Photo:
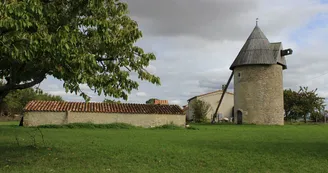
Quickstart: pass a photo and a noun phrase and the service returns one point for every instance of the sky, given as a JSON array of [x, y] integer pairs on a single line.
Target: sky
[[196, 41]]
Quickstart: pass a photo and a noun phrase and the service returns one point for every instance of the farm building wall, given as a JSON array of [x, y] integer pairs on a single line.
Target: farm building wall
[[190, 113], [213, 99], [258, 94], [144, 120], [40, 118], [226, 105]]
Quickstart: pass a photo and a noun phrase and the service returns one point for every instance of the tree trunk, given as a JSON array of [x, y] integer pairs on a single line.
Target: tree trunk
[[3, 95], [304, 118]]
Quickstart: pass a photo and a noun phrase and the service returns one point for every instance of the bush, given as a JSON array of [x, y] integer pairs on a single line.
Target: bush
[[91, 126], [317, 117], [168, 126], [192, 128], [200, 110]]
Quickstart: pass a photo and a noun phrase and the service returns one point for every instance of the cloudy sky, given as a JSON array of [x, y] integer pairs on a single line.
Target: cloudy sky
[[196, 41]]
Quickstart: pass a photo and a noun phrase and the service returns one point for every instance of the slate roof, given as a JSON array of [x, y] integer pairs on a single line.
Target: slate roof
[[276, 48], [126, 108], [258, 50]]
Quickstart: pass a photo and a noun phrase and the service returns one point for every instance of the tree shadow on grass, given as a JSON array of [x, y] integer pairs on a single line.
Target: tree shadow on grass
[[294, 149], [19, 155]]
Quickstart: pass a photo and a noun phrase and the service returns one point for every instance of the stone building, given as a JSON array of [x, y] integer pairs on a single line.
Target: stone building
[[161, 102], [258, 81], [157, 101], [58, 112], [212, 98]]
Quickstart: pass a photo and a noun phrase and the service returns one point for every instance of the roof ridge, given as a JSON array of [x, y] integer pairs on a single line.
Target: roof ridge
[[209, 93], [62, 106]]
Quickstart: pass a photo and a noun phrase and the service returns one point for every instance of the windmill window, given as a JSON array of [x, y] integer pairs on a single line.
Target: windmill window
[[238, 74]]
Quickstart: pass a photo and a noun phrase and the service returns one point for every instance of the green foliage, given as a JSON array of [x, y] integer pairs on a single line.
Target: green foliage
[[91, 126], [170, 126], [110, 126], [317, 116], [200, 109], [151, 101], [111, 101], [292, 104], [78, 42], [302, 103], [16, 100]]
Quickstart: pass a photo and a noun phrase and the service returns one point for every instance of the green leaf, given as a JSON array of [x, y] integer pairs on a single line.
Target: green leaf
[[66, 46], [69, 47], [66, 28]]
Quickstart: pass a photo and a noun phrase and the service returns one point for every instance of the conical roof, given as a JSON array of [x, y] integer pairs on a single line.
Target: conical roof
[[256, 50]]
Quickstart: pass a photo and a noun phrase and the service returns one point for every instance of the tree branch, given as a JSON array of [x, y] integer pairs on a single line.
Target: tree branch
[[127, 68], [23, 86], [105, 59]]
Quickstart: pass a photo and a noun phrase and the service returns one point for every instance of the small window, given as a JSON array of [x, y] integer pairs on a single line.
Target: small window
[[238, 74]]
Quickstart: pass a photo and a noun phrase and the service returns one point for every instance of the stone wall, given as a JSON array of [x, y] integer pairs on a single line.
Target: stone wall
[[40, 118], [258, 94], [144, 120]]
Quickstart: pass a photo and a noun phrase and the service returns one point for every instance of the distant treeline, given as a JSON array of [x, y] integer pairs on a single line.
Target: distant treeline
[[15, 101]]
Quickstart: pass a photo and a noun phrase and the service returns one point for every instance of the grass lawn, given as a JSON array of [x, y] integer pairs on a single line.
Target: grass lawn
[[212, 148]]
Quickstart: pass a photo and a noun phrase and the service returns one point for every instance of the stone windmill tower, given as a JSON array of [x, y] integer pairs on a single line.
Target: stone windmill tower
[[258, 81]]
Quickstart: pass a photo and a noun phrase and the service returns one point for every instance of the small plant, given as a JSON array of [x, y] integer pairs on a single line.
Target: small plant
[[169, 126], [192, 128], [33, 134], [90, 126]]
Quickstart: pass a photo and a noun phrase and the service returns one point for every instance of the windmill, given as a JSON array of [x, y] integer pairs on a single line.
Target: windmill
[[258, 81]]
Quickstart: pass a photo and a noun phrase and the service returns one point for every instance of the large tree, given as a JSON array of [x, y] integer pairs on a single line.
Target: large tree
[[310, 102], [291, 104], [76, 41], [302, 103]]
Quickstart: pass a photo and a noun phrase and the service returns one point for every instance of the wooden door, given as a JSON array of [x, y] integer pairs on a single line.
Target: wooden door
[[239, 117]]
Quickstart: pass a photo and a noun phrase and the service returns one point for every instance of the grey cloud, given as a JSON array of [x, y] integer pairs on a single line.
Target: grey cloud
[[196, 41], [206, 18], [214, 84], [218, 19]]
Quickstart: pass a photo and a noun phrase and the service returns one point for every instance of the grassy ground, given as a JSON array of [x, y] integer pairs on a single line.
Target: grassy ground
[[12, 123], [216, 148]]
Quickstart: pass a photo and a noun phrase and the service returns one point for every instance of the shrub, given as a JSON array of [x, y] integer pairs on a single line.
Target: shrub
[[90, 126], [200, 110]]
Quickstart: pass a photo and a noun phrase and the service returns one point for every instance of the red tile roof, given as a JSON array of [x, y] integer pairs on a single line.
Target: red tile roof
[[128, 108]]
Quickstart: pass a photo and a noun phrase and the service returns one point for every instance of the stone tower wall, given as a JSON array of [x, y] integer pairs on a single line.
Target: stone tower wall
[[258, 93]]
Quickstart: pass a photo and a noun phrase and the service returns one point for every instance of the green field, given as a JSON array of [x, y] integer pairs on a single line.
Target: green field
[[212, 148]]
